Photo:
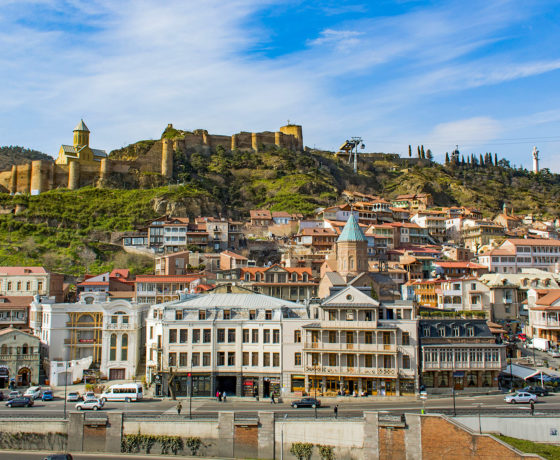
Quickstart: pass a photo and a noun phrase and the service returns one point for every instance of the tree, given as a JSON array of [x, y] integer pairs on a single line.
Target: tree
[[419, 154], [422, 151], [446, 158], [490, 159], [462, 159], [496, 159], [481, 160], [409, 151], [430, 155]]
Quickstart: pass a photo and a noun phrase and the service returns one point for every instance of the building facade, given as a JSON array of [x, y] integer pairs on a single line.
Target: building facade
[[20, 358]]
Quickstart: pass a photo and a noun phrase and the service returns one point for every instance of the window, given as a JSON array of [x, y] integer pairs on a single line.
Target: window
[[172, 335], [332, 359], [196, 359], [276, 336], [266, 336], [245, 358], [332, 337], [28, 286], [332, 315], [221, 358], [253, 314], [231, 335], [455, 331], [178, 314], [266, 359], [124, 347], [184, 335], [114, 319], [151, 332], [207, 336], [206, 358], [405, 338], [221, 336], [275, 359], [297, 336], [231, 358], [441, 331], [255, 336], [112, 350], [368, 338], [227, 314], [245, 335], [39, 286], [172, 359], [470, 331], [183, 359], [406, 362], [196, 336], [254, 358], [268, 314], [297, 359], [9, 285], [19, 285], [201, 314]]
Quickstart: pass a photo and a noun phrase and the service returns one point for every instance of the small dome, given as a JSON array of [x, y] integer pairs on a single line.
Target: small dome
[[352, 231], [81, 126]]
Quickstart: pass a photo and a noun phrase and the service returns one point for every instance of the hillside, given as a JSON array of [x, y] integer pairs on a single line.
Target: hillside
[[70, 231], [16, 155]]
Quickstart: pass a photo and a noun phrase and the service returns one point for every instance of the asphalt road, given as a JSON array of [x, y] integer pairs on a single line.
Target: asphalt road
[[354, 407]]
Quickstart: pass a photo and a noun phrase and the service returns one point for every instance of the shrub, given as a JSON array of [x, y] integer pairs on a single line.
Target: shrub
[[302, 450], [326, 452]]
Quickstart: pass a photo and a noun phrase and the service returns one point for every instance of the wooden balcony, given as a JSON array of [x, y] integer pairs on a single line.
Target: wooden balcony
[[357, 371], [357, 347]]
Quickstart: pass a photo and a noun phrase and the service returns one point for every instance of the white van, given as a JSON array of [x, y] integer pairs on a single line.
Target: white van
[[33, 392], [123, 392]]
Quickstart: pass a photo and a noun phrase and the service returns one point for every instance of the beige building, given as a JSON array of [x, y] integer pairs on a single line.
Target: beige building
[[354, 344], [20, 358], [30, 281]]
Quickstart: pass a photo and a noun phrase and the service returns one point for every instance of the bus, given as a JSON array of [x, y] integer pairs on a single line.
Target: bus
[[123, 392]]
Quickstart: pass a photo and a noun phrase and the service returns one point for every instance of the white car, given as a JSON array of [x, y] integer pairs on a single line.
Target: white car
[[90, 404], [521, 397], [33, 392], [554, 353], [89, 396]]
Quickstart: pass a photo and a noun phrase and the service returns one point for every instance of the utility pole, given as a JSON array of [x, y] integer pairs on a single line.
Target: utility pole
[[65, 386]]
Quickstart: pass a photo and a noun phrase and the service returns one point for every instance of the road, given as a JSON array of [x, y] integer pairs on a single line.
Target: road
[[209, 407]]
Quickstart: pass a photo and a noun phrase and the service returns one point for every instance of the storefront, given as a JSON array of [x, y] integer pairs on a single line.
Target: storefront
[[4, 376], [250, 387], [271, 386], [297, 384]]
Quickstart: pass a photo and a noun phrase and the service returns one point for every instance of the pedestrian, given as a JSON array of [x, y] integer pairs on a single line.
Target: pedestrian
[[179, 407], [272, 399], [225, 396], [220, 396], [336, 411], [532, 407], [217, 395]]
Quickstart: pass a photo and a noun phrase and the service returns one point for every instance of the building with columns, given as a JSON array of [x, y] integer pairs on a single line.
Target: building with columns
[[355, 344]]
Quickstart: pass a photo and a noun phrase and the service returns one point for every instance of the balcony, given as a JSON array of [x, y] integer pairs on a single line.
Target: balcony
[[546, 323], [20, 357], [119, 326], [475, 365], [358, 347], [351, 325], [82, 324]]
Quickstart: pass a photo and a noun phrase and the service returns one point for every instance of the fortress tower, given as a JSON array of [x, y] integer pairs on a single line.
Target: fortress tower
[[535, 160], [296, 131]]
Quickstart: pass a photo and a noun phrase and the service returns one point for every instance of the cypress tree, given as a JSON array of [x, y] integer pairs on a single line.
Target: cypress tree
[[446, 158], [429, 155], [409, 151], [496, 159], [422, 152], [481, 160], [418, 147], [462, 159], [490, 159], [468, 160]]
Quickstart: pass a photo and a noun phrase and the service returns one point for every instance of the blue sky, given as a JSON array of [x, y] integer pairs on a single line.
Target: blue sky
[[483, 75]]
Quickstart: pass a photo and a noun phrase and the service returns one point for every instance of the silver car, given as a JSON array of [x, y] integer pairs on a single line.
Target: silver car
[[521, 397], [90, 404]]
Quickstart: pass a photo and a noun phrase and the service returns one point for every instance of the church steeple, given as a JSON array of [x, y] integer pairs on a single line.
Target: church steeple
[[81, 135], [351, 249]]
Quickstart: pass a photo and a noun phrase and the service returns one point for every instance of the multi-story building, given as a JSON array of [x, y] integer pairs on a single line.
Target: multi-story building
[[114, 281], [544, 315], [227, 342], [433, 221], [294, 284], [110, 332], [230, 260], [514, 254], [354, 344], [14, 312], [30, 281], [320, 239], [425, 292], [223, 234], [153, 289], [20, 358], [479, 233], [414, 201], [459, 354], [456, 269]]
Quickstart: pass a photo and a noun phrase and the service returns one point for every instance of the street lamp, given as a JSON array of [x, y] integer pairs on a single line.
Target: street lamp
[[315, 384], [65, 386]]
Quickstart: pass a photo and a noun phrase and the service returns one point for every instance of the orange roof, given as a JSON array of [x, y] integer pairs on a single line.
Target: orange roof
[[17, 271], [547, 300], [233, 255], [166, 278], [533, 242], [459, 264], [15, 301]]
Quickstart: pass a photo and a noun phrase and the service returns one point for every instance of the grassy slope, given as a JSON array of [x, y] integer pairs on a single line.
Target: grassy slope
[[547, 451], [69, 231]]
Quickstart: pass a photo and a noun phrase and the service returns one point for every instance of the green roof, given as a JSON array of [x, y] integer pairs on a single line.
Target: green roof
[[352, 231], [81, 126]]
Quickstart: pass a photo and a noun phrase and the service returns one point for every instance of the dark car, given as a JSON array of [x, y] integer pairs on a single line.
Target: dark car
[[539, 391], [22, 401], [306, 402], [58, 457]]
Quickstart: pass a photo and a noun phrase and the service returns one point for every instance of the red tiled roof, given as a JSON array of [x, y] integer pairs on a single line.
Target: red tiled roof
[[233, 255], [166, 278], [547, 300], [17, 271], [15, 301], [459, 264], [533, 242], [94, 283]]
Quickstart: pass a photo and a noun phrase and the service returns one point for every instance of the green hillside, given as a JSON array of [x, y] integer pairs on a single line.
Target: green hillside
[[70, 231], [16, 155]]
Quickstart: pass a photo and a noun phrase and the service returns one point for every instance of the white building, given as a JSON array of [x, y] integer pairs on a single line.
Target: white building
[[228, 342], [110, 332]]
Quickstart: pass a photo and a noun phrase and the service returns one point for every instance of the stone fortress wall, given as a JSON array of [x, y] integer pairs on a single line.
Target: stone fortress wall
[[43, 175]]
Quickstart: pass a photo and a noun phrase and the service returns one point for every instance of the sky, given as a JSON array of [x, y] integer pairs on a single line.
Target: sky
[[481, 75]]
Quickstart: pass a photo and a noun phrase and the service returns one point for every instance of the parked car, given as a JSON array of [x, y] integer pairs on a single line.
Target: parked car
[[89, 404], [539, 391], [59, 457], [33, 392], [306, 402], [73, 396], [89, 395], [521, 397], [522, 337], [14, 394], [22, 401], [47, 395], [554, 353]]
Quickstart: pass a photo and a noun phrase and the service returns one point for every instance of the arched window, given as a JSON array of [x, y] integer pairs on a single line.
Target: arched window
[[113, 348], [86, 319], [294, 277], [258, 277], [351, 263], [4, 350], [124, 347], [305, 277], [24, 349]]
